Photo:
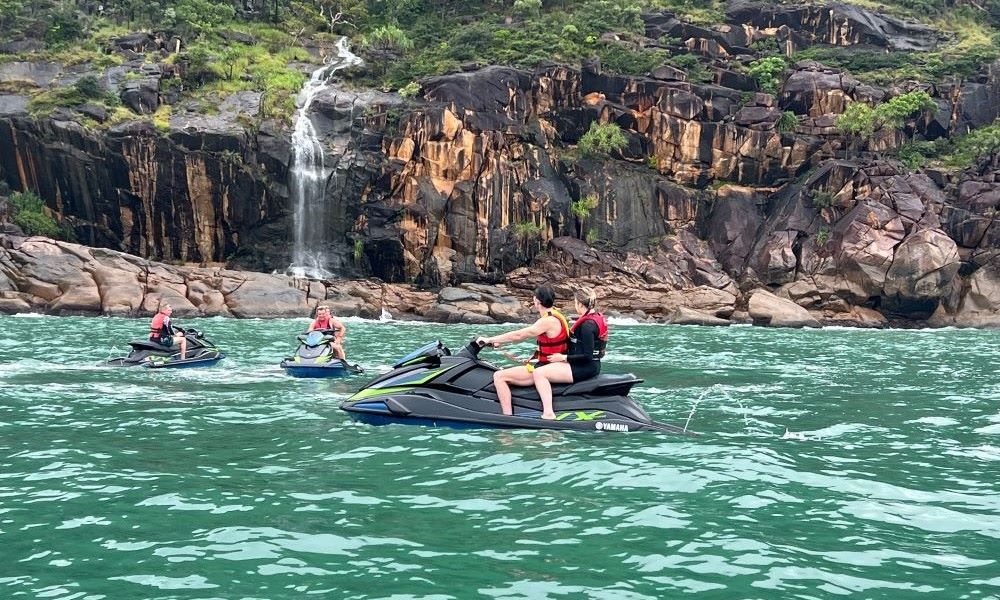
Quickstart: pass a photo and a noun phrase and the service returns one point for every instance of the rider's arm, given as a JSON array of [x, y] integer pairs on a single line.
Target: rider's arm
[[341, 331], [536, 329], [312, 326]]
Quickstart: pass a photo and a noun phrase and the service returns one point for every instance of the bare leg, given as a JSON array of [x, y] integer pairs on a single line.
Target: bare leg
[[184, 344], [338, 350], [503, 379], [544, 377]]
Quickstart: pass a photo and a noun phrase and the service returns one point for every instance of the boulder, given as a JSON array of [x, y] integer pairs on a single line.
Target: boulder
[[261, 295], [120, 289], [683, 315], [81, 297], [815, 90], [14, 303], [449, 313], [769, 310], [209, 301], [923, 266], [141, 95]]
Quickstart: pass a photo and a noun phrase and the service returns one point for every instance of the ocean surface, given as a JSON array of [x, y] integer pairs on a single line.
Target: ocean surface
[[830, 463]]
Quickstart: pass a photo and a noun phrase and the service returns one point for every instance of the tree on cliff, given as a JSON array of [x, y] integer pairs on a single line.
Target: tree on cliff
[[860, 121], [386, 43], [580, 209]]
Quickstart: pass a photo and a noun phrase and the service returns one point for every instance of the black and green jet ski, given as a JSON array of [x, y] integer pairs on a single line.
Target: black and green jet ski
[[431, 386], [201, 352]]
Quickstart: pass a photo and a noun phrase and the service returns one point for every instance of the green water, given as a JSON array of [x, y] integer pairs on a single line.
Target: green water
[[831, 463]]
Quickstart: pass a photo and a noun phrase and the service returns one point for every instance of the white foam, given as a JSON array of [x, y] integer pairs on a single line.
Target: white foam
[[936, 421]]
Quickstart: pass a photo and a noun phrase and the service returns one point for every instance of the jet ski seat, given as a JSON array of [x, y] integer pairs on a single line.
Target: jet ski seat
[[151, 345], [603, 382]]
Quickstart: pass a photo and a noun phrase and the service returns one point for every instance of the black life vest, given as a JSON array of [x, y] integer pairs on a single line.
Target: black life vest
[[601, 343]]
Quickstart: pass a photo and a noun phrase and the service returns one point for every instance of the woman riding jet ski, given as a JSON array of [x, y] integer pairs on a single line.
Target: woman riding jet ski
[[433, 387]]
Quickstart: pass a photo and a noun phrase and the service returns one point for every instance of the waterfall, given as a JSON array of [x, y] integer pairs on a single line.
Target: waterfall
[[308, 175]]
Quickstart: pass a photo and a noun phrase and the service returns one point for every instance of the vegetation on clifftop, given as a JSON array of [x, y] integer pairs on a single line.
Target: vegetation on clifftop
[[252, 44]]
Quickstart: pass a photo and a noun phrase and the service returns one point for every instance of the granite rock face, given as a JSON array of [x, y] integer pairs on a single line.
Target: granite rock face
[[476, 182]]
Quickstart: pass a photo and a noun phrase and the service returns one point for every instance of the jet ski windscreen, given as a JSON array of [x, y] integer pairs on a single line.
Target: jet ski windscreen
[[432, 350], [313, 338]]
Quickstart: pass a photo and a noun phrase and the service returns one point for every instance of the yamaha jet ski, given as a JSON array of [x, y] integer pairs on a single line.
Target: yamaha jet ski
[[315, 357], [430, 386], [146, 353]]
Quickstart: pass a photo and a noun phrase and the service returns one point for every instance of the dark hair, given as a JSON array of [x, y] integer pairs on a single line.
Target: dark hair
[[546, 296]]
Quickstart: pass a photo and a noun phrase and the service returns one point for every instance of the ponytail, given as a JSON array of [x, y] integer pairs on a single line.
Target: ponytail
[[587, 297]]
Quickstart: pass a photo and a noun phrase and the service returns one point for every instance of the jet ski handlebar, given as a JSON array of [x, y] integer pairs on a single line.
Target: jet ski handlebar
[[473, 348]]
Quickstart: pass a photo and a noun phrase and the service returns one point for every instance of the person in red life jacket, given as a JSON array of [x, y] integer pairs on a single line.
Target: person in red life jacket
[[588, 340], [161, 332], [326, 322], [552, 333]]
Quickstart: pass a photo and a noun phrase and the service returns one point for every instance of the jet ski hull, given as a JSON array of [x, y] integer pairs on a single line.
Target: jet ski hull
[[331, 369], [187, 363], [378, 412]]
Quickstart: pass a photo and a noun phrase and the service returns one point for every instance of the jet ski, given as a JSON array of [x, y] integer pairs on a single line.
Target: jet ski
[[201, 352], [315, 357], [431, 386]]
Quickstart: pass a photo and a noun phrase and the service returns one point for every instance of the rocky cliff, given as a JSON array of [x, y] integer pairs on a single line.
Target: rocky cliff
[[474, 182]]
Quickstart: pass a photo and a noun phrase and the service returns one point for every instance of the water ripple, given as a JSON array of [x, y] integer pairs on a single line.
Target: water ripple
[[826, 466]]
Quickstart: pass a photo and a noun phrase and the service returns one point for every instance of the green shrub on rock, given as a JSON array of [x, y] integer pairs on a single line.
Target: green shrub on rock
[[767, 72], [861, 121], [31, 217], [602, 139]]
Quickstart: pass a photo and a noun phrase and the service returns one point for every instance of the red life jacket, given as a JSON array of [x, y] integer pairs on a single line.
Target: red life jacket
[[320, 324], [558, 344], [601, 343], [160, 327]]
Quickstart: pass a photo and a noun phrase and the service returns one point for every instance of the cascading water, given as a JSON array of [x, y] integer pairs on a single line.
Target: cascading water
[[308, 174]]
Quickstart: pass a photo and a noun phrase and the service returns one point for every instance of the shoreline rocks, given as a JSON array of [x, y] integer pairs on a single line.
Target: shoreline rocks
[[60, 278]]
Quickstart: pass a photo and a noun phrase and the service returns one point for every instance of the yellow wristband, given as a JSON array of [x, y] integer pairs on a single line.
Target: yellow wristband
[[530, 367]]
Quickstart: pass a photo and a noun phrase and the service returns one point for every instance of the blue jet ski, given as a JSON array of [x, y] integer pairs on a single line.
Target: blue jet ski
[[201, 352], [431, 386], [315, 357]]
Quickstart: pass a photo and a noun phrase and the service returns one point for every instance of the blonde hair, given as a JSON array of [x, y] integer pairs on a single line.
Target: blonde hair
[[586, 296]]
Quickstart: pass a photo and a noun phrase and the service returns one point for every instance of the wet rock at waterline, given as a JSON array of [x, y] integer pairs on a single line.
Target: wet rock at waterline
[[42, 275]]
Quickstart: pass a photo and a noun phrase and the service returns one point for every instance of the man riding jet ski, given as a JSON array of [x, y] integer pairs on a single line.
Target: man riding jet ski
[[316, 356], [433, 387], [148, 353], [169, 346]]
